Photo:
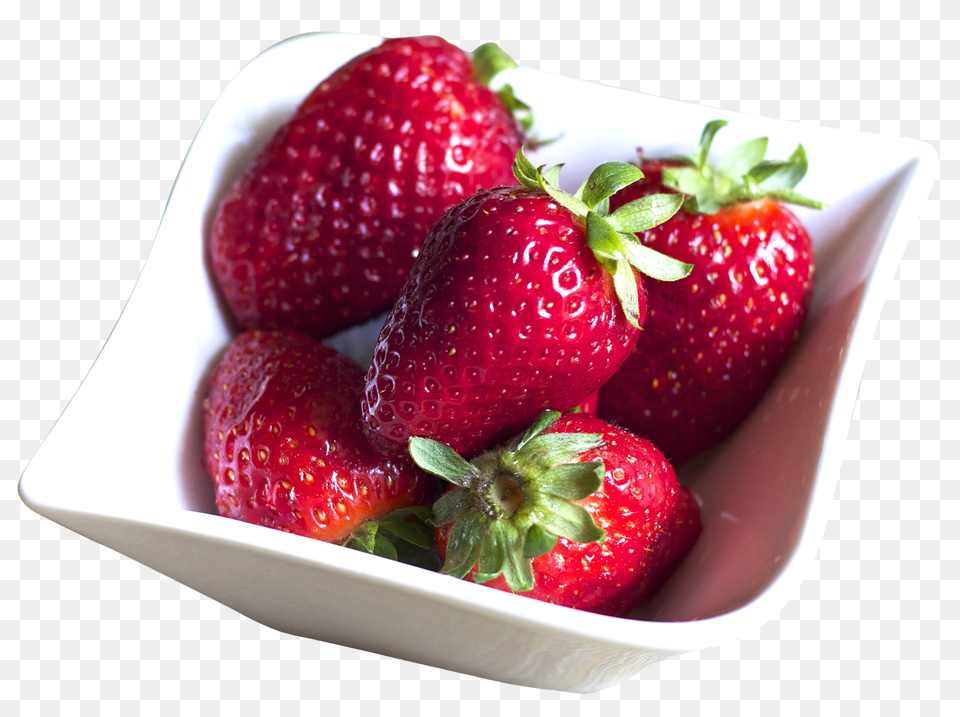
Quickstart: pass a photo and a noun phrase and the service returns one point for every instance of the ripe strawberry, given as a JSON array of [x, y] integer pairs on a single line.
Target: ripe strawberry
[[712, 344], [283, 446], [320, 232], [574, 512], [589, 404], [523, 299]]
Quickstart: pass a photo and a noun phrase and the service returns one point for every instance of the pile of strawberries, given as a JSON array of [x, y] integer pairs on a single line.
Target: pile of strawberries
[[400, 185]]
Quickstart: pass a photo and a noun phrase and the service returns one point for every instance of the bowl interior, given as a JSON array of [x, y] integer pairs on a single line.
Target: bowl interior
[[136, 421]]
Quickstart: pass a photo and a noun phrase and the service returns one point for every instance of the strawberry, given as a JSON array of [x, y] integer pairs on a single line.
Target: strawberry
[[523, 299], [320, 232], [712, 344], [589, 404], [283, 446], [574, 512]]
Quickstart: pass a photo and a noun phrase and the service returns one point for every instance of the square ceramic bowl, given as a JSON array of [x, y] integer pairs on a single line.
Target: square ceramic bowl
[[122, 466]]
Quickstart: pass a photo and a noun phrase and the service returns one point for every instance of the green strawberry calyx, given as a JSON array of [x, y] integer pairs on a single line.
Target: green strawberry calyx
[[510, 505], [613, 235], [402, 535], [489, 60], [740, 175]]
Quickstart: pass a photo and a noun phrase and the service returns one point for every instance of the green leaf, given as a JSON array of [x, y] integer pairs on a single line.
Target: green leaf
[[363, 537], [493, 550], [489, 60], [386, 537], [645, 213], [688, 180], [520, 110], [384, 548], [548, 450], [603, 239], [414, 533], [532, 178], [463, 544], [573, 481], [613, 175], [441, 460], [451, 505], [742, 158], [742, 175], [706, 140], [625, 284], [788, 196], [799, 160], [525, 172], [543, 422], [781, 174], [749, 189], [422, 512], [654, 264], [569, 520], [552, 176], [774, 173], [416, 556], [568, 201], [517, 571], [606, 180], [703, 203], [538, 542]]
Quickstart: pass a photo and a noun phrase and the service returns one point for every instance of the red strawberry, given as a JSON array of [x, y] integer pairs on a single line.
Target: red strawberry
[[712, 343], [513, 307], [589, 404], [574, 512], [283, 445], [321, 231]]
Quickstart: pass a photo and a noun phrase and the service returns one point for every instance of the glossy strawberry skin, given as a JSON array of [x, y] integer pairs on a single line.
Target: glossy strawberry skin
[[506, 313], [320, 232], [589, 404], [283, 445], [651, 523], [713, 342]]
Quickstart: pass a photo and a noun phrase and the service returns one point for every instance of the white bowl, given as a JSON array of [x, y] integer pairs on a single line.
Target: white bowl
[[123, 464]]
